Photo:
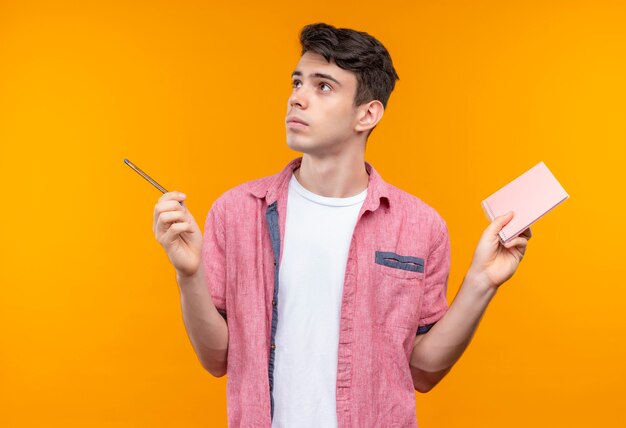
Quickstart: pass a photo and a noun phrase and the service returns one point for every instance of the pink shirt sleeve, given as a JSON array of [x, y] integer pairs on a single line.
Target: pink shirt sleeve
[[214, 256], [434, 303]]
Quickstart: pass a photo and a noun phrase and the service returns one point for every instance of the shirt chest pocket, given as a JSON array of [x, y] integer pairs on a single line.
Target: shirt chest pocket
[[397, 290]]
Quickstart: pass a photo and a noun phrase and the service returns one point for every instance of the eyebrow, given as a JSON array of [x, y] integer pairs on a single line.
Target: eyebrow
[[318, 75]]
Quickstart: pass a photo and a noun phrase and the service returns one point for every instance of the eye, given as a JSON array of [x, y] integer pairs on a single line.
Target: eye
[[296, 83], [325, 87]]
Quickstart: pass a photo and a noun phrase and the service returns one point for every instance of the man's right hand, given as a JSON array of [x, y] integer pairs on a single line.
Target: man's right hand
[[177, 231]]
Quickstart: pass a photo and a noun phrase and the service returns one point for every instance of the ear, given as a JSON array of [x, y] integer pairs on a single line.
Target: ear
[[368, 115]]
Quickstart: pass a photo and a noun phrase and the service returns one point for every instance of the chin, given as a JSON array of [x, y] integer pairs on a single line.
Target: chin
[[308, 147], [298, 145]]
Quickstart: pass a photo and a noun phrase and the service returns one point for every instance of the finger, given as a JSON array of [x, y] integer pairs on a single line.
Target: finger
[[177, 196], [172, 217], [166, 206], [527, 234], [520, 242], [174, 232], [169, 218], [173, 196]]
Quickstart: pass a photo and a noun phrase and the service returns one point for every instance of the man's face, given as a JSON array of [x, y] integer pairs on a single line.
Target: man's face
[[321, 115]]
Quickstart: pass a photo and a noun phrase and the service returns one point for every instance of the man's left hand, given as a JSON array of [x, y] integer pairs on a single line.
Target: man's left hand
[[494, 262]]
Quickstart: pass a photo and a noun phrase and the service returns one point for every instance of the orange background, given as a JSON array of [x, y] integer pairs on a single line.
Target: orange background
[[195, 93]]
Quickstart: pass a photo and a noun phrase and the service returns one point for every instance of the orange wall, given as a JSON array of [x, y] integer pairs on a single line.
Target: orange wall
[[195, 93]]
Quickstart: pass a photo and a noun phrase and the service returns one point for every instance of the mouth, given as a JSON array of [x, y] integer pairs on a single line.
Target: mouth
[[296, 123]]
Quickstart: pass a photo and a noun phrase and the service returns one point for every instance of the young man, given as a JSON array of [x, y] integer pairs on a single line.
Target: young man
[[321, 290]]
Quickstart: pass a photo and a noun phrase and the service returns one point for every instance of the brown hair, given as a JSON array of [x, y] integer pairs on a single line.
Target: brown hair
[[357, 52]]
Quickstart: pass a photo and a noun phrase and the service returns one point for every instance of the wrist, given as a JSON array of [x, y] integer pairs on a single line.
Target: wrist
[[187, 278], [479, 283]]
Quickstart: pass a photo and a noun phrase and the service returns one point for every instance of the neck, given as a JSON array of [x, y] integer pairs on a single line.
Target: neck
[[333, 176]]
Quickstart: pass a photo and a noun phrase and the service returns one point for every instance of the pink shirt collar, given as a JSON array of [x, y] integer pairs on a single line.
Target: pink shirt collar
[[270, 187]]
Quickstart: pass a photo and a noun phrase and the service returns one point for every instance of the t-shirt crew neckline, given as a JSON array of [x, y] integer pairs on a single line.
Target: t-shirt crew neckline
[[325, 200]]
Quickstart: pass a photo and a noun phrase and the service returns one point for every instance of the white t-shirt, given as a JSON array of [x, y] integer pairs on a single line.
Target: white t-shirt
[[318, 232]]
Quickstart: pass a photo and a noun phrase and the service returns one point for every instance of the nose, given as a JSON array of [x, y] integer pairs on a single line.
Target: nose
[[298, 98]]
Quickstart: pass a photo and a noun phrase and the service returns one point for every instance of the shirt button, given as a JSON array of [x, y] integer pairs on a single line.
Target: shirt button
[[273, 346], [273, 302]]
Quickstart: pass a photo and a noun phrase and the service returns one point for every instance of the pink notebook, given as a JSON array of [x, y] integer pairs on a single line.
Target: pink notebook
[[529, 196]]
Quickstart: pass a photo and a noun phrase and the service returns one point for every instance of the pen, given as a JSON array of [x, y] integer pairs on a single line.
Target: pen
[[146, 176]]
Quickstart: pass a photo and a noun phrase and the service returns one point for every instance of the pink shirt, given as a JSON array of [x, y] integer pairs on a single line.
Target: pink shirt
[[394, 288]]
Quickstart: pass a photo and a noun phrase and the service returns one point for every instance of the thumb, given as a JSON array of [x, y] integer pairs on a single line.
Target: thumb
[[499, 222]]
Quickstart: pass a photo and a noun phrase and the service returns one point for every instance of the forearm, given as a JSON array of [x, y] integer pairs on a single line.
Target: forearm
[[493, 263], [437, 351], [207, 330]]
